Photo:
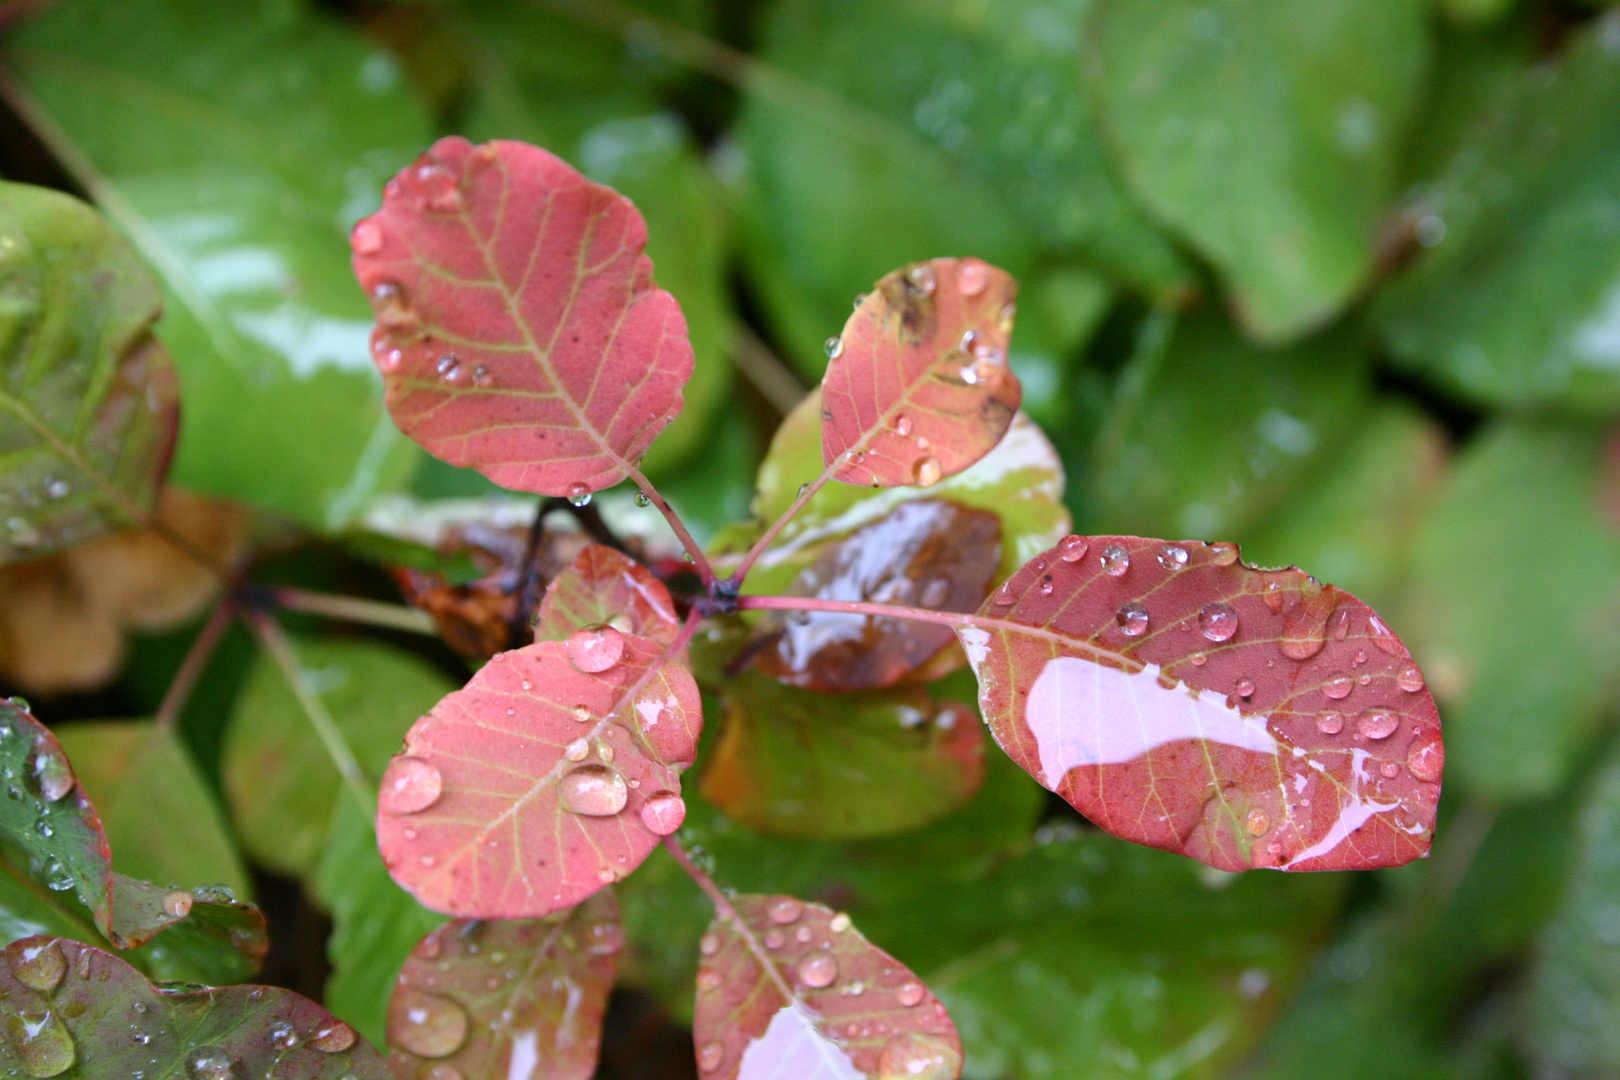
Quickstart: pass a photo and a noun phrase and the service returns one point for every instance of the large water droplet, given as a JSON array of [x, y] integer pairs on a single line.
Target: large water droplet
[[282, 1035], [1377, 723], [927, 472], [333, 1038], [834, 347], [972, 277], [578, 750], [1330, 723], [1257, 822], [409, 785], [595, 648], [663, 813], [709, 944], [1072, 549], [1115, 560], [920, 276], [52, 776], [1218, 622], [593, 791], [1410, 679], [911, 994], [449, 368], [41, 1042], [1338, 686], [1244, 688], [177, 904], [1426, 757], [209, 1063], [783, 910], [1384, 637], [710, 1055], [915, 1056], [818, 969], [1173, 557], [1132, 619], [367, 238], [426, 1025], [38, 965]]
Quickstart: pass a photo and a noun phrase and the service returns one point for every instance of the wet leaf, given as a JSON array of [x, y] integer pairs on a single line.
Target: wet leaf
[[279, 781], [520, 999], [67, 1006], [796, 991], [236, 174], [795, 763], [200, 935], [1262, 135], [89, 405], [555, 771], [917, 387], [555, 383], [603, 586], [1516, 304], [1181, 699]]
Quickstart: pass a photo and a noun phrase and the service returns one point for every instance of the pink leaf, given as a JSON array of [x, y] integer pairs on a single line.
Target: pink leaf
[[801, 995], [918, 387], [519, 998], [605, 586], [518, 327], [537, 783], [1181, 699]]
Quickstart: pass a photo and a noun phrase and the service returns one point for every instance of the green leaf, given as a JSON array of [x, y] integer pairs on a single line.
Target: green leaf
[[1207, 434], [882, 134], [237, 173], [376, 923], [161, 820], [794, 762], [1520, 302], [280, 784], [88, 402], [1266, 134], [1513, 608], [1021, 480]]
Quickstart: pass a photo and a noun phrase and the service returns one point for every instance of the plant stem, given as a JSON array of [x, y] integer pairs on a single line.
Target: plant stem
[[723, 908], [806, 493], [274, 641], [192, 667], [699, 561], [765, 371], [353, 609], [857, 607]]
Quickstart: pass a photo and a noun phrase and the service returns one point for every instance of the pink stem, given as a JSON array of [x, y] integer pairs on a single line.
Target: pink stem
[[723, 908], [699, 561], [855, 607], [806, 493], [192, 667]]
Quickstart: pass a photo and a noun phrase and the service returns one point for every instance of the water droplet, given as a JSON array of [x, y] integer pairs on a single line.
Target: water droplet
[[663, 813], [920, 276], [605, 939], [1046, 585], [708, 980], [208, 1063], [57, 489], [41, 1042], [1257, 822], [1072, 549], [927, 472], [429, 947], [1330, 723], [1173, 557], [38, 965], [449, 367], [710, 1056], [1377, 723], [1199, 659], [409, 785], [438, 1072], [915, 1056], [482, 377], [1218, 622], [783, 910], [709, 944], [1390, 770], [838, 923], [595, 648], [1115, 560], [367, 238], [593, 791], [1338, 686], [577, 750], [1410, 679], [972, 277], [902, 425], [1384, 637], [1245, 688], [1426, 757], [1132, 619], [426, 1025], [390, 359], [581, 714], [911, 993], [1339, 622], [604, 751], [818, 969], [860, 298], [834, 346], [643, 499], [177, 905], [1304, 630], [579, 495], [281, 1035], [52, 776]]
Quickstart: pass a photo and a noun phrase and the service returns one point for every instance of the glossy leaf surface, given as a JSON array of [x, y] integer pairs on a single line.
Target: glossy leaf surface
[[538, 783], [793, 762], [548, 375], [518, 999], [89, 405], [236, 175], [918, 387], [1181, 699], [798, 992], [73, 1011], [603, 586]]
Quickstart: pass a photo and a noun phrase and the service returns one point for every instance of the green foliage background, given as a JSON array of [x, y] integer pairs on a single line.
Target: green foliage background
[[1338, 280]]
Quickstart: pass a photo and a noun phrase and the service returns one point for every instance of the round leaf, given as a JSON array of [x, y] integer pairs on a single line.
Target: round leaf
[[606, 586]]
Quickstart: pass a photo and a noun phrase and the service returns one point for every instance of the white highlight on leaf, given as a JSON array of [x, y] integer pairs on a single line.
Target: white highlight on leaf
[[792, 1049], [976, 643], [1354, 812]]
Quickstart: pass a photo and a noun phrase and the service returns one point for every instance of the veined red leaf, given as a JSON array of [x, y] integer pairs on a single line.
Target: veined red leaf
[[67, 1006], [603, 586], [518, 999], [918, 387], [799, 994], [519, 330], [553, 772], [1181, 699]]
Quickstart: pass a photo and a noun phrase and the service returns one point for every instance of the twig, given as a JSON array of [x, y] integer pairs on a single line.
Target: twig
[[192, 667], [354, 609], [723, 908], [806, 493], [765, 371], [700, 561]]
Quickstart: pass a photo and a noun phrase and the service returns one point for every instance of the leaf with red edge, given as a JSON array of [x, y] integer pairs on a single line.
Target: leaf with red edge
[[1184, 700], [518, 999], [519, 330], [603, 586], [928, 553], [918, 387], [797, 993], [539, 782]]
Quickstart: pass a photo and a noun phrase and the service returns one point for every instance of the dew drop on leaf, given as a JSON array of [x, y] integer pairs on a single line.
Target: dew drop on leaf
[[595, 648], [593, 791], [921, 277], [1218, 622], [834, 347], [708, 979], [927, 472], [709, 944], [1173, 557], [1426, 757], [916, 1056], [177, 905], [911, 994], [282, 1035], [1377, 723], [1257, 822], [1115, 560], [208, 1063], [427, 1025], [1245, 688], [1330, 723], [783, 910], [1390, 770], [1071, 549], [818, 969], [1338, 686], [971, 277], [333, 1038], [51, 774], [663, 813], [39, 966], [710, 1056], [902, 425], [449, 367], [409, 785], [367, 238], [41, 1042], [577, 750], [1410, 679], [1132, 619]]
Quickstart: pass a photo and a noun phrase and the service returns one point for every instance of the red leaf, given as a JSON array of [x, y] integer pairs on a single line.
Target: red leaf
[[518, 998], [518, 327], [918, 386], [537, 783], [801, 995], [1181, 699], [606, 586]]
